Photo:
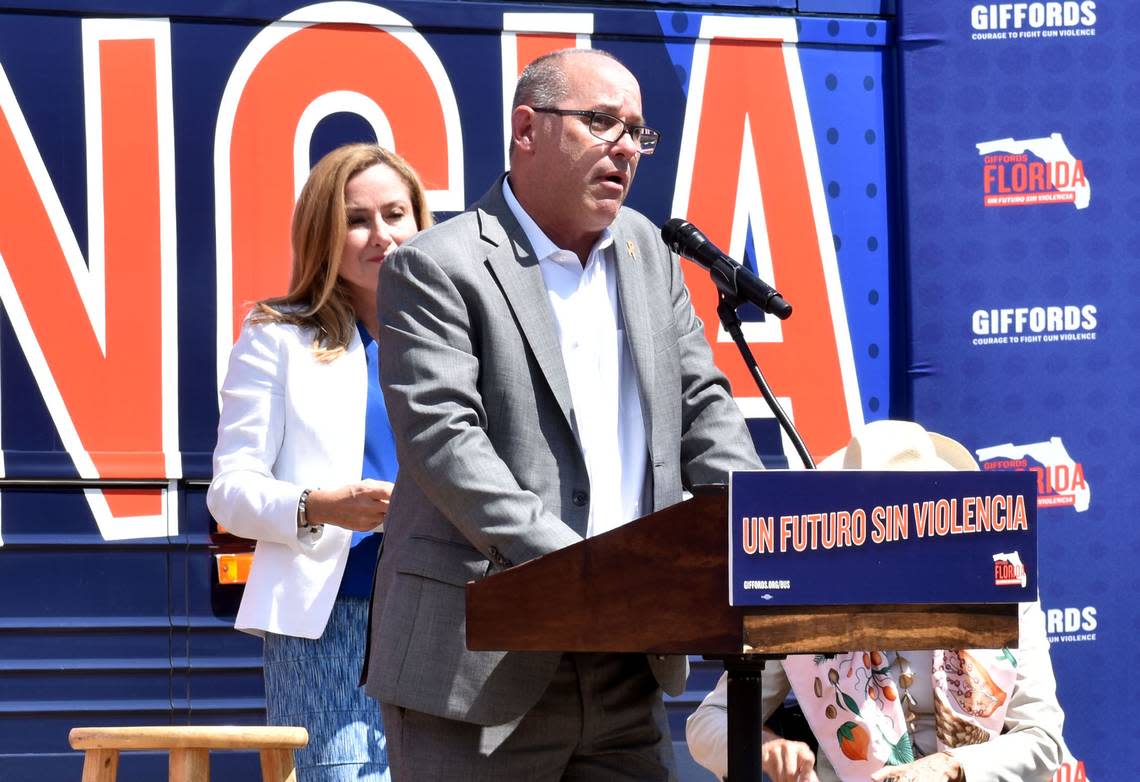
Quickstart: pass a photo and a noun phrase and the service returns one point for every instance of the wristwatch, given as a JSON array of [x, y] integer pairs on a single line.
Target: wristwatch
[[303, 513]]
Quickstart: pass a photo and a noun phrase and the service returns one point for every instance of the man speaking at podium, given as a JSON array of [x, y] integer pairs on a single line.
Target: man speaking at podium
[[547, 380]]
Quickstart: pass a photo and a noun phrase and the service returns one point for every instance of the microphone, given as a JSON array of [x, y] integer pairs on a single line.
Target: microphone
[[731, 278]]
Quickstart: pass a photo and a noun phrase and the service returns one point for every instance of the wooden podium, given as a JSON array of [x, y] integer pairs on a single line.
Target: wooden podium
[[659, 585]]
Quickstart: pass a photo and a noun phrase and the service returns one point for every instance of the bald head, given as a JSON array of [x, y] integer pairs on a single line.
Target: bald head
[[544, 82], [569, 180]]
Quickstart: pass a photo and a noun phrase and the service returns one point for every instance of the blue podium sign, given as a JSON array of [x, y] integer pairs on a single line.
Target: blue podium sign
[[842, 538]]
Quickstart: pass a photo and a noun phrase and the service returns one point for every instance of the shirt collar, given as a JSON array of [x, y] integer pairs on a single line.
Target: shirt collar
[[543, 247]]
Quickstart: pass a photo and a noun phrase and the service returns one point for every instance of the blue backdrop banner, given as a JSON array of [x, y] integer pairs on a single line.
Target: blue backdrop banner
[[1020, 174]]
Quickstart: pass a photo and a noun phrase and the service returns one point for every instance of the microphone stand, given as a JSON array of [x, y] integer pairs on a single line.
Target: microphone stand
[[745, 672], [726, 310]]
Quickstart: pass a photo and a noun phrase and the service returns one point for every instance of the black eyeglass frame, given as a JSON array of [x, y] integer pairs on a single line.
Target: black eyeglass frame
[[639, 130]]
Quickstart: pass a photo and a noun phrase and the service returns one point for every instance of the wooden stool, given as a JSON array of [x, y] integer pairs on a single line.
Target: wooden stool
[[189, 747]]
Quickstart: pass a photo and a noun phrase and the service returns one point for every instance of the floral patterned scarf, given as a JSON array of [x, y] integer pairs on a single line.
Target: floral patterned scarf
[[852, 703]]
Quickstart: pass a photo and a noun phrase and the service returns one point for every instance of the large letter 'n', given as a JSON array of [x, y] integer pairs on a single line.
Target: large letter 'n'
[[100, 336]]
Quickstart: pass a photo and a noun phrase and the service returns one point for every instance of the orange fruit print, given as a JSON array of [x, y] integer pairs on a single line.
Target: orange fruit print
[[853, 740]]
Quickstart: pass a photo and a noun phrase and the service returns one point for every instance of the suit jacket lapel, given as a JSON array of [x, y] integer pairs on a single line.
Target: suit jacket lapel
[[628, 258], [513, 264]]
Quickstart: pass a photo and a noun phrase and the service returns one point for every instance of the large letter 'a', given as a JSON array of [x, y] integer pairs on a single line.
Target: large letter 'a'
[[748, 168]]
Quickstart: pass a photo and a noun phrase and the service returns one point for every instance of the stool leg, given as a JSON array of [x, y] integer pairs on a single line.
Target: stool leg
[[189, 765], [100, 765], [277, 765]]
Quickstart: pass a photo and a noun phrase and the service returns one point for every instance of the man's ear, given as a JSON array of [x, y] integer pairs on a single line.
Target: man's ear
[[523, 128]]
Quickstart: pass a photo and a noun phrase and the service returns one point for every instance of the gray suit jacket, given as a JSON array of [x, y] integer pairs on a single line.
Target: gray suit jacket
[[491, 473]]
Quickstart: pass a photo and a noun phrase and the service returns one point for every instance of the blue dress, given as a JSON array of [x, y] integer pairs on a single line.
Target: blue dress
[[312, 683]]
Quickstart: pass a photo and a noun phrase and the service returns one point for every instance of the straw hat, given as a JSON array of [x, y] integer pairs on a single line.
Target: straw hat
[[899, 445]]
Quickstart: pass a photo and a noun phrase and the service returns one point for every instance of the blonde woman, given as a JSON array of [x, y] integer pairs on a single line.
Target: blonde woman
[[305, 458]]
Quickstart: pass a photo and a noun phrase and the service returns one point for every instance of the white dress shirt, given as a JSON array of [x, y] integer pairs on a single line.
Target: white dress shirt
[[599, 367]]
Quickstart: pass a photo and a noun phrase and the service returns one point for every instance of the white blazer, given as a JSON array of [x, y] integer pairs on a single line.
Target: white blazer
[[288, 422]]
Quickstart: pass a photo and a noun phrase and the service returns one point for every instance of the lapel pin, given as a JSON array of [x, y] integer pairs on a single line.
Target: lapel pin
[[631, 248]]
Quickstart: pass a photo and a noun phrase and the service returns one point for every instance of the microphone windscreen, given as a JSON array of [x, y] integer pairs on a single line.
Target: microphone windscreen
[[681, 236]]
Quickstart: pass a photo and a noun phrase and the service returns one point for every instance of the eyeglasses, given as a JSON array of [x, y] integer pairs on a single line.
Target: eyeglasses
[[607, 127]]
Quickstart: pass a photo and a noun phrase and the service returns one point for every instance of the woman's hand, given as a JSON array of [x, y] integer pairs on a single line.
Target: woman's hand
[[787, 761], [939, 767], [360, 507]]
